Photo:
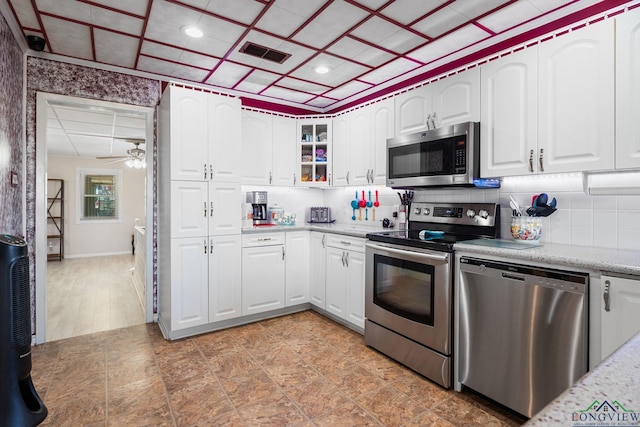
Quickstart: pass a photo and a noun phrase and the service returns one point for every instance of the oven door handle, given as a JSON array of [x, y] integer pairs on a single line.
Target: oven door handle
[[440, 258]]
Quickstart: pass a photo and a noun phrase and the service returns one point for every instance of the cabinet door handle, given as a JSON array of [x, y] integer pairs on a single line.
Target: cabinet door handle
[[531, 161], [607, 296], [210, 171], [343, 258], [294, 178], [324, 240], [329, 179], [205, 246], [211, 209], [347, 177], [346, 259], [205, 171], [371, 176], [283, 253], [211, 246], [205, 209], [270, 177], [540, 159]]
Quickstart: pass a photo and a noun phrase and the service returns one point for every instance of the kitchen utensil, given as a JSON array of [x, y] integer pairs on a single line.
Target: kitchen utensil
[[542, 199], [354, 202], [359, 214], [540, 210], [369, 202], [362, 202], [553, 203], [533, 200], [366, 214], [376, 203], [373, 214], [515, 206], [385, 223], [353, 218]]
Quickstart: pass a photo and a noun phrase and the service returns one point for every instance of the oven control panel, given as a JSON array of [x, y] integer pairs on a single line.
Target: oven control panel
[[482, 214]]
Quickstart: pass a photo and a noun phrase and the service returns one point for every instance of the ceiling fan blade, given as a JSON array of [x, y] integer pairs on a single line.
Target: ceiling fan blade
[[118, 161], [111, 157]]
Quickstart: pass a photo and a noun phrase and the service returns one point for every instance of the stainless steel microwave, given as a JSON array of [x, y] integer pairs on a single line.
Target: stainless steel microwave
[[446, 156]]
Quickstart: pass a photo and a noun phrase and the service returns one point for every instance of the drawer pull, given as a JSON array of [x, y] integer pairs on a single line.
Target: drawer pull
[[607, 295]]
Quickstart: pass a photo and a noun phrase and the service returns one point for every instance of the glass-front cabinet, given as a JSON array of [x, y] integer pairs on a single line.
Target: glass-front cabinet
[[314, 152]]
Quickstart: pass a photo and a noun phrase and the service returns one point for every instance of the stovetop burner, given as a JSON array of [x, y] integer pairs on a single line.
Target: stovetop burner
[[439, 226]]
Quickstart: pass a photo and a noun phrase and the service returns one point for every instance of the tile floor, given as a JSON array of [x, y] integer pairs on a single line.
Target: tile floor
[[296, 370], [93, 294]]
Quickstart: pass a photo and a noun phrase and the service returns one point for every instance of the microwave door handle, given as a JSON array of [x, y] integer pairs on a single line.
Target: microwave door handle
[[434, 257]]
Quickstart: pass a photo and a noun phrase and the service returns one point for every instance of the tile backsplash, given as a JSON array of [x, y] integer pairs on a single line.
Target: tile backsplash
[[581, 219]]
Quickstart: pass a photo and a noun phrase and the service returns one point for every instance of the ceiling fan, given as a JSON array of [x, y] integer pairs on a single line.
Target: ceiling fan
[[135, 157]]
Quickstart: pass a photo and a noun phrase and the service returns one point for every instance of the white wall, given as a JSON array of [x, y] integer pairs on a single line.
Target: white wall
[[99, 239]]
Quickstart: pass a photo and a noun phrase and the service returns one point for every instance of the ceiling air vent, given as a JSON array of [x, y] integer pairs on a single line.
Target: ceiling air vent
[[264, 52]]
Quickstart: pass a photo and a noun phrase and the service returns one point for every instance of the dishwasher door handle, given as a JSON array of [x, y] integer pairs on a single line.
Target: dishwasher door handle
[[512, 276]]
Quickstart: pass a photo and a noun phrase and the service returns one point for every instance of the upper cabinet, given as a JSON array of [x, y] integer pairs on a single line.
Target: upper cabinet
[[550, 108], [314, 152], [576, 100], [360, 142], [454, 99], [268, 149], [205, 142], [628, 90], [509, 119]]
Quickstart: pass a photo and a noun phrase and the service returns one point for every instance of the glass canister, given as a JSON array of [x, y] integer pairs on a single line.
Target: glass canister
[[526, 228]]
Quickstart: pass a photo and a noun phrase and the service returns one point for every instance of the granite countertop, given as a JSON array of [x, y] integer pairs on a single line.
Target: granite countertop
[[586, 257], [354, 230], [608, 395]]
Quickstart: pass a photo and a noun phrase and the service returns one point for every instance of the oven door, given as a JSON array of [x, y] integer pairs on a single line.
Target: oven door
[[409, 292]]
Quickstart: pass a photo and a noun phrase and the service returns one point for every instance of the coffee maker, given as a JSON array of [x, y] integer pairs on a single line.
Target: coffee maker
[[258, 200]]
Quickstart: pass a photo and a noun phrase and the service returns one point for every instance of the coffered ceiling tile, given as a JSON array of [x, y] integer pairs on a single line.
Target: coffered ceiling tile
[[68, 38], [116, 49], [449, 44], [137, 7], [257, 81], [67, 8], [25, 13], [341, 70], [197, 60], [244, 11], [547, 5], [154, 65], [228, 74], [360, 52], [383, 33], [510, 16], [304, 86], [390, 70], [473, 8], [306, 8], [320, 102], [440, 22], [407, 11], [348, 90], [372, 4], [280, 21], [334, 21], [116, 21], [287, 94], [190, 73]]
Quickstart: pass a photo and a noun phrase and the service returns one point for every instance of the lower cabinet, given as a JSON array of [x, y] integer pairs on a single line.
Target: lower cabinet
[[620, 312], [263, 272], [296, 280], [318, 269], [225, 279], [344, 290]]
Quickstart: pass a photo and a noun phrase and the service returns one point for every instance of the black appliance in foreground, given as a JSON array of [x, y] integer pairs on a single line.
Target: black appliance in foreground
[[20, 404], [409, 284]]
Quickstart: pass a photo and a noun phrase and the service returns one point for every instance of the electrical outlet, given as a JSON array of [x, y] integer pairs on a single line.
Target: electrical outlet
[[14, 179]]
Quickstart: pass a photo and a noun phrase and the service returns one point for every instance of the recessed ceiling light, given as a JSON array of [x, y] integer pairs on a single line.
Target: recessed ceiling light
[[192, 31], [322, 69]]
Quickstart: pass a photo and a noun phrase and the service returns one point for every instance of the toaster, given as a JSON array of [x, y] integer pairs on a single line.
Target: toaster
[[320, 215]]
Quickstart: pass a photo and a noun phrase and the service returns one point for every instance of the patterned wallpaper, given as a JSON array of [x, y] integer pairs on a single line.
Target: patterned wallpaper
[[11, 147], [84, 82]]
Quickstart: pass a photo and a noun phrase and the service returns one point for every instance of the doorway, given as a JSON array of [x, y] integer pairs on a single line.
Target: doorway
[[100, 139]]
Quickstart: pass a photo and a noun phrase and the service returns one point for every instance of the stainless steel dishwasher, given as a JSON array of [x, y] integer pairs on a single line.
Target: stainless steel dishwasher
[[522, 332]]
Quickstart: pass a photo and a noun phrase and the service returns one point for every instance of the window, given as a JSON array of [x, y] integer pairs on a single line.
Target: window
[[99, 193]]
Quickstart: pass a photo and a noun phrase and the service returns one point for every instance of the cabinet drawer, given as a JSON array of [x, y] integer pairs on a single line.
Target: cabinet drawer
[[262, 239], [346, 242]]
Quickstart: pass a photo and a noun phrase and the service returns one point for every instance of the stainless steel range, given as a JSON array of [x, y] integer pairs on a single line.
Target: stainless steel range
[[409, 283]]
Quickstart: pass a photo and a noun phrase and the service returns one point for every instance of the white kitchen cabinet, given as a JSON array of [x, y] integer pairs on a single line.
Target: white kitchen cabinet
[[205, 208], [187, 304], [576, 101], [204, 133], [318, 268], [454, 99], [627, 90], [263, 272], [314, 152], [344, 290], [509, 114], [268, 149], [225, 277], [360, 142], [620, 311], [297, 267]]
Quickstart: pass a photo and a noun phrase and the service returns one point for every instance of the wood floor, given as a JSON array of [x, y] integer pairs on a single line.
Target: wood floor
[[88, 295]]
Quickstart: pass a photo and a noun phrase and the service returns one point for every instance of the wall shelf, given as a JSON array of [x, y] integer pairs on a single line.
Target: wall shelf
[[55, 220]]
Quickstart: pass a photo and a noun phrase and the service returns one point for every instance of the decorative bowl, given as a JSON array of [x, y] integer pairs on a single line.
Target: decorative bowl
[[526, 228]]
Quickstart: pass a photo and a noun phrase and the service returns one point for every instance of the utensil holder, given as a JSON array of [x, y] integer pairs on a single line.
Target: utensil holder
[[526, 228]]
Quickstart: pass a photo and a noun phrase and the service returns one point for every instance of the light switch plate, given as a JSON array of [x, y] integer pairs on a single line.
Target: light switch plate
[[14, 179]]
